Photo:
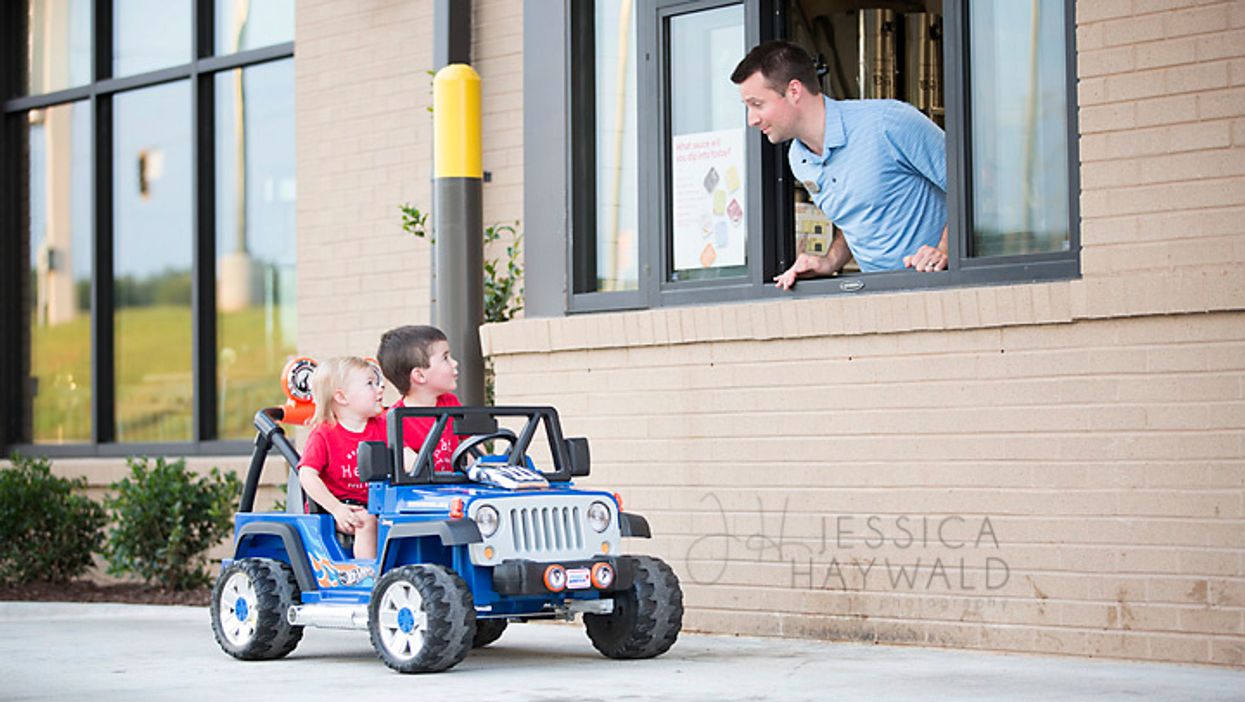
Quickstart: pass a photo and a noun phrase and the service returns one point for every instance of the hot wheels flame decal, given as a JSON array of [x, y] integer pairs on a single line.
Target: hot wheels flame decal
[[330, 574]]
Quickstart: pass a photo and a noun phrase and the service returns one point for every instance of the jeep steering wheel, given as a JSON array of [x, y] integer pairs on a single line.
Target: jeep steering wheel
[[466, 447]]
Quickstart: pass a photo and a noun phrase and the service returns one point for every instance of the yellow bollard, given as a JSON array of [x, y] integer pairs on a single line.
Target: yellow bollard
[[456, 122], [457, 216]]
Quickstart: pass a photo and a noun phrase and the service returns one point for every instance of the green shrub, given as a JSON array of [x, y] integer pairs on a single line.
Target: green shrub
[[165, 520], [47, 531]]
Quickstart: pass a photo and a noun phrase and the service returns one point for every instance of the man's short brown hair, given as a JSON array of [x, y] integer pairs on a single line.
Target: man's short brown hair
[[404, 349], [780, 62]]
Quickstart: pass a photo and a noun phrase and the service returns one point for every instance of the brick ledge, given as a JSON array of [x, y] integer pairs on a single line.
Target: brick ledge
[[1188, 291]]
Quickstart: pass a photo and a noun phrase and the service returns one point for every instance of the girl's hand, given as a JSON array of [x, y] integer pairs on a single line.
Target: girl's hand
[[348, 518]]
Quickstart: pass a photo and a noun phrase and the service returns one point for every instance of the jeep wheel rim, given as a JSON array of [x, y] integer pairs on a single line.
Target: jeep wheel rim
[[237, 609], [402, 620]]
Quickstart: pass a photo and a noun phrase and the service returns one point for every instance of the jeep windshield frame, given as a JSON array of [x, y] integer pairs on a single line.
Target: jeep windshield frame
[[423, 473]]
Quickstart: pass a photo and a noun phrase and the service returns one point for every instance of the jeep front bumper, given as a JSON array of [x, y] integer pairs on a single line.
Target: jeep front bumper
[[524, 577]]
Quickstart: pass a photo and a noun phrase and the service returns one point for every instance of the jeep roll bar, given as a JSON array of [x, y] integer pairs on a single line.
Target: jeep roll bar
[[570, 457], [270, 434]]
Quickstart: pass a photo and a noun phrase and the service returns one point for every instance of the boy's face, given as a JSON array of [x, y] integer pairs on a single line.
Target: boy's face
[[441, 375], [363, 393]]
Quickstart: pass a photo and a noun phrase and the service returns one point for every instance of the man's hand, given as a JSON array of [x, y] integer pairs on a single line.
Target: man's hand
[[928, 258], [804, 263]]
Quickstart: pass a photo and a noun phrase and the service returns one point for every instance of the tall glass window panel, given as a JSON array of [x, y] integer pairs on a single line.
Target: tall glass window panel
[[617, 180], [152, 203], [707, 165], [149, 35], [255, 239], [60, 273], [250, 24], [1019, 126], [58, 45]]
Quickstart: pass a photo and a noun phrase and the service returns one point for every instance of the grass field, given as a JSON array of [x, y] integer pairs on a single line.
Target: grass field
[[154, 383]]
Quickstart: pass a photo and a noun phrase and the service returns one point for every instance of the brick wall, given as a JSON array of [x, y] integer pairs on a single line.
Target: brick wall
[[364, 146], [363, 93], [1080, 443]]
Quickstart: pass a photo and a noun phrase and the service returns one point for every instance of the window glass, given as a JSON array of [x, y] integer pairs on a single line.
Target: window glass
[[152, 203], [255, 240], [250, 24], [1019, 127], [617, 215], [707, 162], [58, 42], [60, 272], [149, 35]]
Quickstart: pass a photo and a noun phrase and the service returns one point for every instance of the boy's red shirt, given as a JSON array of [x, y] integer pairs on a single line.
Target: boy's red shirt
[[415, 430], [333, 451]]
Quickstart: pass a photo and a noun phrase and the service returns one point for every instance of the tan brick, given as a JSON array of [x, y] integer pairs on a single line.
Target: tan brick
[[1227, 651], [1211, 621], [1221, 45], [1202, 20], [1196, 77], [1151, 83], [1169, 52], [1222, 103], [1107, 117], [1107, 61], [1091, 91], [1193, 649], [1090, 12], [1089, 37], [1132, 30], [1143, 7]]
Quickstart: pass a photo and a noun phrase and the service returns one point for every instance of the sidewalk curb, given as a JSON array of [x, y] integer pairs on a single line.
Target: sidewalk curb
[[59, 611]]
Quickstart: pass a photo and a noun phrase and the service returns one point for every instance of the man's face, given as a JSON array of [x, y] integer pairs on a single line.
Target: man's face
[[772, 112]]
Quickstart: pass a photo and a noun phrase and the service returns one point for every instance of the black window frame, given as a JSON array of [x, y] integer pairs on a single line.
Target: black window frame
[[564, 292], [199, 72]]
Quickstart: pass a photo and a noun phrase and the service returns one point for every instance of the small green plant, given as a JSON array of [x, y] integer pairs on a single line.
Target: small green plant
[[503, 277], [48, 530], [165, 520]]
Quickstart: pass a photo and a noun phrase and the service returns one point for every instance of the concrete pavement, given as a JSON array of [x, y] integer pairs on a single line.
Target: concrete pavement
[[129, 652]]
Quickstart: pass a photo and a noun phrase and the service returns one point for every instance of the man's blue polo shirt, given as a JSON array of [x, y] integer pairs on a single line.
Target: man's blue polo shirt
[[881, 177]]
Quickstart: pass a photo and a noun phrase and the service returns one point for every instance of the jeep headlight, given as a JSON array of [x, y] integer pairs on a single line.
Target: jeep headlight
[[487, 520], [598, 516]]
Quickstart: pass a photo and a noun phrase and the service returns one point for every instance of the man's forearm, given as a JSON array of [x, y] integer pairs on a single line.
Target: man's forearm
[[838, 255]]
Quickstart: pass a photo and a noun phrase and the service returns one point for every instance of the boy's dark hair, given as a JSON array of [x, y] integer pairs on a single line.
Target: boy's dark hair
[[404, 349], [780, 62]]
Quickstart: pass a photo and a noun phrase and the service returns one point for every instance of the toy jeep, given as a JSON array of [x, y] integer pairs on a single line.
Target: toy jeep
[[460, 554]]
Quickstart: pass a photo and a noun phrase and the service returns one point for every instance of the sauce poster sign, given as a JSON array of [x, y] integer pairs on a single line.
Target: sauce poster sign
[[709, 199]]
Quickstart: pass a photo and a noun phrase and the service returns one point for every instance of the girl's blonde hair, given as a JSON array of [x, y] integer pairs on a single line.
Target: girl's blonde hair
[[328, 378]]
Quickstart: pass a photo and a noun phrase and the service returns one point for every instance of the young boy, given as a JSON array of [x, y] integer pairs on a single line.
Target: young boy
[[416, 359], [348, 393]]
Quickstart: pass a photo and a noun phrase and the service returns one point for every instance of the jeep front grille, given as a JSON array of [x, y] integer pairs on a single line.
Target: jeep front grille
[[546, 530]]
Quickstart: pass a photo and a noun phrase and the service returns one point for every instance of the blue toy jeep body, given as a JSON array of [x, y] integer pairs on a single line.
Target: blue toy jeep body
[[508, 543]]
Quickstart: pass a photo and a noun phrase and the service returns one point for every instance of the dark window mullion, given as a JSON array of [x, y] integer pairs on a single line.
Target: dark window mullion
[[777, 196], [203, 264], [584, 276], [103, 337], [15, 377], [956, 101], [1074, 137]]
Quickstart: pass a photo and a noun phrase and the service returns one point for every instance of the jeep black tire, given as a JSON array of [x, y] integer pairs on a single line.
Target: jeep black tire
[[249, 605], [488, 631], [647, 617], [422, 619]]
